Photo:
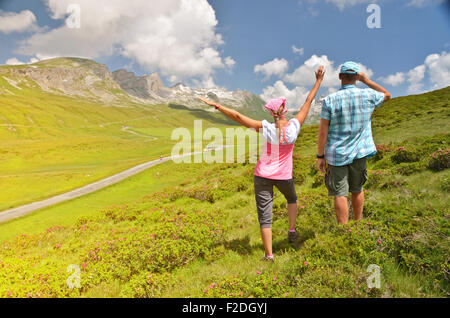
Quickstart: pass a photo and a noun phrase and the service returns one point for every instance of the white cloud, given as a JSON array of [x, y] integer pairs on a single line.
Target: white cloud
[[275, 67], [438, 66], [304, 75], [303, 78], [17, 22], [342, 4], [299, 51], [393, 79], [176, 37], [422, 3], [16, 61], [13, 61], [415, 78], [294, 98], [229, 62]]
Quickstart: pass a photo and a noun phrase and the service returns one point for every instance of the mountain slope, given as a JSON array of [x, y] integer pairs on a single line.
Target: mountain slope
[[199, 236], [66, 122], [412, 116], [65, 76]]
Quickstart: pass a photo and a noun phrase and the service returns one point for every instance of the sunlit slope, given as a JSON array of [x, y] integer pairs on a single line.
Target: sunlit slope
[[412, 116], [51, 141]]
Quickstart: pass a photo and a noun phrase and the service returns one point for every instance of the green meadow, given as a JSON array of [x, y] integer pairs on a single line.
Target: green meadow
[[190, 230], [50, 144]]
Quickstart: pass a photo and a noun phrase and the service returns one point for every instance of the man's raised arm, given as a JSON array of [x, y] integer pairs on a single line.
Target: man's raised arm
[[364, 79]]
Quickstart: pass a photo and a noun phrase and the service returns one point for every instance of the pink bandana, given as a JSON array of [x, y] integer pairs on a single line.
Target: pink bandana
[[274, 105]]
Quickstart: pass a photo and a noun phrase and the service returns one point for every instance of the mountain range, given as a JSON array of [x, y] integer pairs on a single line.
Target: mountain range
[[85, 78], [88, 79]]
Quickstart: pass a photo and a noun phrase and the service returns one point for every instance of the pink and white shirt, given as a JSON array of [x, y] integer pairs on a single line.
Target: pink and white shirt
[[276, 159]]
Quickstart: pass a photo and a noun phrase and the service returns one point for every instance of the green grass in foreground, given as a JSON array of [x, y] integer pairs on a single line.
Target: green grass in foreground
[[199, 237], [186, 241]]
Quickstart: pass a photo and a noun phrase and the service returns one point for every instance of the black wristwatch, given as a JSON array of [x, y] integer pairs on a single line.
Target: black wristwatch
[[320, 157]]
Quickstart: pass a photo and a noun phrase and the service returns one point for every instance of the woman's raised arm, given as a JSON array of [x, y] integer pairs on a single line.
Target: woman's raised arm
[[235, 115], [303, 113]]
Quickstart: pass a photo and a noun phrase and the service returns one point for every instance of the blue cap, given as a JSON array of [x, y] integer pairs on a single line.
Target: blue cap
[[350, 68]]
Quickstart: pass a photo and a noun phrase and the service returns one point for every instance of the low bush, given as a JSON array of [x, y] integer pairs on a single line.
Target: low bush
[[374, 178], [318, 180], [402, 154], [382, 151], [409, 168], [440, 160], [259, 285]]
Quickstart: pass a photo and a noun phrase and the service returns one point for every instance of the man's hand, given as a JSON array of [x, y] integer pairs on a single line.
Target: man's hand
[[208, 102], [321, 165], [362, 77]]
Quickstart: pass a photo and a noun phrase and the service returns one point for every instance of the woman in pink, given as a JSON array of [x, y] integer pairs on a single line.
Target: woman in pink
[[274, 167]]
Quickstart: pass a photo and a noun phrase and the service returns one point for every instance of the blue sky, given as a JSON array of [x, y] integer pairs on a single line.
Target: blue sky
[[219, 42]]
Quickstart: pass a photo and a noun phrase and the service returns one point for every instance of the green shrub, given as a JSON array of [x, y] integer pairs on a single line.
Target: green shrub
[[382, 150], [263, 284], [318, 180], [402, 154], [409, 168], [119, 213], [440, 160], [300, 168], [147, 285], [392, 183], [374, 179]]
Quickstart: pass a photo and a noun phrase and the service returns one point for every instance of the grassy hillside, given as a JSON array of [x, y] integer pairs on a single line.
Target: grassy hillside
[[52, 143], [198, 236]]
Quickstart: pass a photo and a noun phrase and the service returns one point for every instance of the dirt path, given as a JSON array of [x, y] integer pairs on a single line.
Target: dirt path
[[29, 208], [127, 129]]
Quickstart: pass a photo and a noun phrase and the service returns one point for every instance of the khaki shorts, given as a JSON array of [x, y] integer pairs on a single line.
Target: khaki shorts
[[350, 178]]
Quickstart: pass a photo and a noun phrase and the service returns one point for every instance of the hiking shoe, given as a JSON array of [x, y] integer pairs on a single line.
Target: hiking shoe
[[268, 258], [292, 236]]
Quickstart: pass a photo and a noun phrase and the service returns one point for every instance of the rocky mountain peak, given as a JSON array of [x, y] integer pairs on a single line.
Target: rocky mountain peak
[[145, 87], [154, 82]]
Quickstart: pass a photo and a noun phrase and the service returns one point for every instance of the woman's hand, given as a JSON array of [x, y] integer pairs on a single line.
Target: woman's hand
[[320, 73], [234, 115], [208, 102]]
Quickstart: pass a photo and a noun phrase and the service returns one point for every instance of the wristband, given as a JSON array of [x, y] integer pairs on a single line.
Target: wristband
[[217, 106], [320, 157]]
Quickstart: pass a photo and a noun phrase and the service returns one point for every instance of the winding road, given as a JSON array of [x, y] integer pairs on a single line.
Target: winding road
[[29, 208]]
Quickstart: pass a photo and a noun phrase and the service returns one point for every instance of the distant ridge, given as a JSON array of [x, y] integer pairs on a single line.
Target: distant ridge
[[89, 79]]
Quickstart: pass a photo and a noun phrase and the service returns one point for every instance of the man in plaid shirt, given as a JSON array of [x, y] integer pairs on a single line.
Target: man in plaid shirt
[[345, 138]]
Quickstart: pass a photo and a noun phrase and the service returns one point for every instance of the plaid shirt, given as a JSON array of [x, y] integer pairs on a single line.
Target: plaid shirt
[[349, 111]]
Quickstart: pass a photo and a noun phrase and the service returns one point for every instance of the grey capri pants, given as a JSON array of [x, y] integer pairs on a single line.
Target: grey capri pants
[[264, 197]]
